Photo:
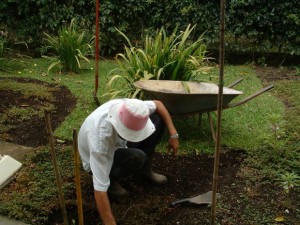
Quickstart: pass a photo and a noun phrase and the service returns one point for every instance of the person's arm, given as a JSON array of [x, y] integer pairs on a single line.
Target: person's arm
[[100, 167], [104, 208], [165, 115]]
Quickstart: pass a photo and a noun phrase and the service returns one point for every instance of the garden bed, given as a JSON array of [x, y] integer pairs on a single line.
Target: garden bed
[[189, 175]]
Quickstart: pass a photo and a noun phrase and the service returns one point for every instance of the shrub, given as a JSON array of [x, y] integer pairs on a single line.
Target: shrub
[[7, 52], [70, 47], [163, 57], [251, 25], [3, 49]]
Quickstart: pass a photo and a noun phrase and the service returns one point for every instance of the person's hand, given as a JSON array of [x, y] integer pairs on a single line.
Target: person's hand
[[173, 144]]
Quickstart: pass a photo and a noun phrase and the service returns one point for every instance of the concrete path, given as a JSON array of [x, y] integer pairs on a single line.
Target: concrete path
[[6, 221], [19, 153]]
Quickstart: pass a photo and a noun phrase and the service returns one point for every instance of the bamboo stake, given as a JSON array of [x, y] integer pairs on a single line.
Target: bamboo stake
[[96, 54], [55, 167], [219, 113], [77, 178]]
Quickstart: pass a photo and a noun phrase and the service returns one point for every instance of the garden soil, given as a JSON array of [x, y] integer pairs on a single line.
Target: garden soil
[[188, 176]]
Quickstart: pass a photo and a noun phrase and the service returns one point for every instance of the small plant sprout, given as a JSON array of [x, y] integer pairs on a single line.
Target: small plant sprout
[[289, 180], [277, 123]]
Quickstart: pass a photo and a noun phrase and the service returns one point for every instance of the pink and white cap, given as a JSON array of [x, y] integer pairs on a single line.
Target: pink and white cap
[[131, 120]]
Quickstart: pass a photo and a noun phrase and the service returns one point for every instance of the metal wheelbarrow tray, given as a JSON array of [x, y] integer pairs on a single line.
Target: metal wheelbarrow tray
[[188, 97]]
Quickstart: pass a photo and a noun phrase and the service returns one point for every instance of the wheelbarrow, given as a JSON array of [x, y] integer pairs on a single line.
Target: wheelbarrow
[[188, 97]]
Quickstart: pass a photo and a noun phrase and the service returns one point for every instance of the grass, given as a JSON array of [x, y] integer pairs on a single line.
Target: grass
[[281, 150], [243, 125], [273, 164], [21, 112], [27, 89], [34, 204], [238, 125]]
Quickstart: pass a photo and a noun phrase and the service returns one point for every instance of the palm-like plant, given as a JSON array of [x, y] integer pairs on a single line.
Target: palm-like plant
[[8, 53], [3, 49], [70, 47], [163, 57]]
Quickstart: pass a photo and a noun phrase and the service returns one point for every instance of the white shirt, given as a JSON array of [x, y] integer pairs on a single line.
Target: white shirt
[[97, 142]]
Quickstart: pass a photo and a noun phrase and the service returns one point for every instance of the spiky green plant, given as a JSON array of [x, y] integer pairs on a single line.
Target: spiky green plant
[[289, 180], [3, 60], [70, 47], [163, 57], [8, 53], [2, 47]]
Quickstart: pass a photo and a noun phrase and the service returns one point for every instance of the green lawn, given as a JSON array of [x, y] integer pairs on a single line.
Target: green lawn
[[242, 126]]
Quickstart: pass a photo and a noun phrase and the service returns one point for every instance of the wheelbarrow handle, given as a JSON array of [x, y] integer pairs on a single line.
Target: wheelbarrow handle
[[249, 97], [235, 83]]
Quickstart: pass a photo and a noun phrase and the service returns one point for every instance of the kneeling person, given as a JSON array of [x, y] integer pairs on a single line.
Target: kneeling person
[[117, 140]]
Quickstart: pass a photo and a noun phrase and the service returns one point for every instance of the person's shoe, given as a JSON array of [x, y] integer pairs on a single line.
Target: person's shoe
[[115, 189], [155, 177]]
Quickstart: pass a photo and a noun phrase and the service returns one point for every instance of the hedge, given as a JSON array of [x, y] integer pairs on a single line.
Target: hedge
[[272, 25]]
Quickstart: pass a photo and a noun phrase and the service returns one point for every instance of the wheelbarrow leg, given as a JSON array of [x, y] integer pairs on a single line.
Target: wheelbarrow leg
[[211, 126], [200, 120]]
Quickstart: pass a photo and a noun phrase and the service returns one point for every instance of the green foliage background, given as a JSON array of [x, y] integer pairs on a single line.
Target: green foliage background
[[272, 25]]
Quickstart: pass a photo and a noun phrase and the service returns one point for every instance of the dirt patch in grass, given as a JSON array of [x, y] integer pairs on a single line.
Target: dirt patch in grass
[[30, 130], [270, 74], [188, 176]]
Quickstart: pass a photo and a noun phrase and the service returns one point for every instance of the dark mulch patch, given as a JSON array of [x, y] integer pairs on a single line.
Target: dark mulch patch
[[270, 74], [188, 176], [32, 131]]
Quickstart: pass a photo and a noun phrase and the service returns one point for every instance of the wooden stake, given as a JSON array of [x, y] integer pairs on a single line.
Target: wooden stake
[[96, 54], [219, 113], [77, 179], [55, 167]]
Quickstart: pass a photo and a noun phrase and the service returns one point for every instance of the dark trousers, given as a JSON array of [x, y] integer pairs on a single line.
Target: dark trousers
[[137, 157]]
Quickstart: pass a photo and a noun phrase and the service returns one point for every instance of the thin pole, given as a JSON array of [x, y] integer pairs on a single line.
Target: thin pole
[[96, 53], [77, 178], [55, 167], [219, 113]]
